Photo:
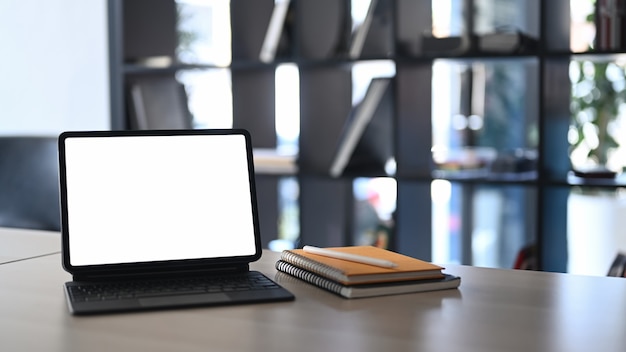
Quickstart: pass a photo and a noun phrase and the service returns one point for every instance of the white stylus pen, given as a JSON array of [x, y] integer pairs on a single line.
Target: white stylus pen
[[349, 257]]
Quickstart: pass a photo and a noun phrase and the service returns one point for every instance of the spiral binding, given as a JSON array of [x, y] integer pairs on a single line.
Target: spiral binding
[[309, 277], [307, 264]]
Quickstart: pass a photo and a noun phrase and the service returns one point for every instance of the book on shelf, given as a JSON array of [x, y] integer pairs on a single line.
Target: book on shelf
[[618, 266], [506, 42], [274, 32], [366, 141], [610, 21], [373, 37], [454, 45], [158, 103], [273, 161], [350, 273], [358, 40], [369, 290]]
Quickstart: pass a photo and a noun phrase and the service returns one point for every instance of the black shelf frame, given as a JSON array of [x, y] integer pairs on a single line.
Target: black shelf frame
[[325, 203]]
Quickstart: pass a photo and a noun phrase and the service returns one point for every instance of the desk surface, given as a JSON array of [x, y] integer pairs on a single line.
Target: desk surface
[[18, 244], [493, 310]]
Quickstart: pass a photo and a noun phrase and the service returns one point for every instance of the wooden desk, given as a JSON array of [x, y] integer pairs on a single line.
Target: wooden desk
[[494, 310], [19, 244]]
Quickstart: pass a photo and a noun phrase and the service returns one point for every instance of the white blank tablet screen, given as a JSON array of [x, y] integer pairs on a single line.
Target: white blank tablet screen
[[154, 198]]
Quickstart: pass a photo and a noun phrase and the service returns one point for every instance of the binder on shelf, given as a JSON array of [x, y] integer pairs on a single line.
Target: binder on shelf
[[157, 103], [366, 142], [373, 37], [275, 30]]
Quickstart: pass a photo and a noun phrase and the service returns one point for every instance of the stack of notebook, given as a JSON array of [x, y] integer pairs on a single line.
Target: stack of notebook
[[364, 271]]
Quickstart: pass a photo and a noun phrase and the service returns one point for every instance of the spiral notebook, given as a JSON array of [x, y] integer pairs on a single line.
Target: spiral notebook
[[369, 290], [351, 273]]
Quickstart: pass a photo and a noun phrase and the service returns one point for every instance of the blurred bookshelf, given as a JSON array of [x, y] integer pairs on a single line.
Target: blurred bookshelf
[[486, 139]]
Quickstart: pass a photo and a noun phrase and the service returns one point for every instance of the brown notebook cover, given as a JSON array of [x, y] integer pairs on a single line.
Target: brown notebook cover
[[352, 273]]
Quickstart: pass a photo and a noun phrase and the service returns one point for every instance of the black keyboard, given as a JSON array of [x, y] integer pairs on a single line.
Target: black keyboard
[[103, 291]]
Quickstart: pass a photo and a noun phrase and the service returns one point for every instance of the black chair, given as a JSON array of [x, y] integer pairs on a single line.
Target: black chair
[[29, 187]]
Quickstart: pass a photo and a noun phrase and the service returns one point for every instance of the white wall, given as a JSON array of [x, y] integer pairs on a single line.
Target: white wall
[[53, 66]]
